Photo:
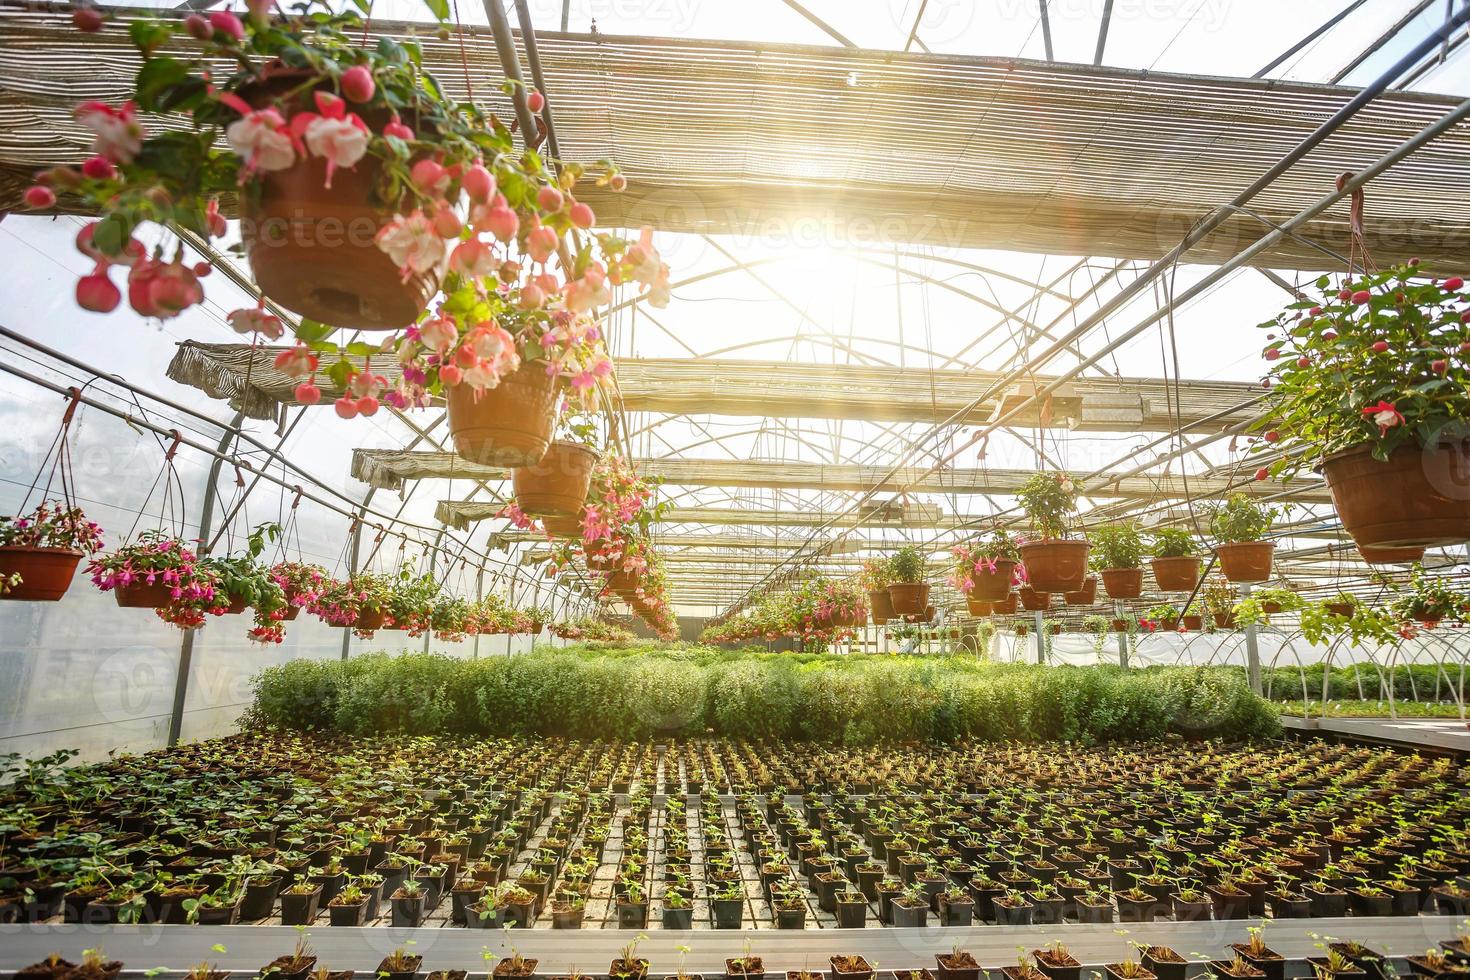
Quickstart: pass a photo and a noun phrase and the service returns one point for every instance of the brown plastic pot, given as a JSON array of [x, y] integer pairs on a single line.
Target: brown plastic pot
[[1246, 561], [557, 483], [1123, 583], [508, 425], [1033, 601], [1085, 596], [140, 595], [1419, 498], [977, 607], [562, 526], [1224, 620], [1005, 607], [45, 573], [1194, 623], [311, 247], [1056, 565], [879, 607], [1390, 556], [371, 619], [908, 598], [1176, 574], [993, 585]]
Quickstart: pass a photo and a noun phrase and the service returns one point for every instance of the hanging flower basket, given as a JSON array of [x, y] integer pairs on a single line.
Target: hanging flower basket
[[508, 425], [1176, 574], [880, 608], [908, 598], [557, 483], [1390, 556], [1123, 583], [1055, 565], [371, 619], [563, 526], [977, 607], [1417, 498], [1246, 561], [1005, 607], [45, 573], [1033, 600], [992, 584], [1085, 596], [141, 595]]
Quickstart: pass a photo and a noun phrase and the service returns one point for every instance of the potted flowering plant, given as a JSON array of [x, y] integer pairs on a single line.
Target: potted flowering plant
[[244, 582], [302, 584], [1428, 601], [908, 593], [992, 567], [39, 553], [411, 602], [1117, 554], [874, 579], [161, 573], [1176, 562], [1054, 563], [450, 618], [1368, 380], [1238, 526], [361, 602]]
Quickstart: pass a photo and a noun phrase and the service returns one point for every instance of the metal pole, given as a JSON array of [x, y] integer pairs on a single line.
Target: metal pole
[[1046, 31], [1333, 22], [1122, 635], [186, 646], [1252, 650], [1040, 640], [533, 59], [828, 28], [1102, 32], [505, 47]]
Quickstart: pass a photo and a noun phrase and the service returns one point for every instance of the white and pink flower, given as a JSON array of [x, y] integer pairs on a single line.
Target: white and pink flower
[[116, 133]]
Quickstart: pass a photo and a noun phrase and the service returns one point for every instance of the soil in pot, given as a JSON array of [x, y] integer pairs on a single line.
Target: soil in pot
[[557, 483], [1246, 561], [291, 966], [298, 909], [1164, 963], [1055, 565], [1416, 499], [45, 573], [957, 965], [399, 965], [1271, 963], [744, 967], [1057, 963], [508, 425], [850, 968]]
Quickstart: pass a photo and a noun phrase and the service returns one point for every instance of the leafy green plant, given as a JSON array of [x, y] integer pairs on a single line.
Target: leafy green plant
[[1251, 611], [1428, 599], [1172, 542], [1050, 502], [907, 565], [1117, 545], [1239, 518]]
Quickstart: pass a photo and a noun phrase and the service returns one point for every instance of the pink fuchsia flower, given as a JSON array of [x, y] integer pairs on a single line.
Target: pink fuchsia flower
[[336, 135], [162, 289], [116, 133], [260, 136], [411, 242], [1385, 415], [296, 361], [253, 319], [589, 291], [438, 333], [397, 129], [491, 353], [474, 259]]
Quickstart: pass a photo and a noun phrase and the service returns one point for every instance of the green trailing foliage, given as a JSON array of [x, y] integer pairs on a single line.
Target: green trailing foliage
[[854, 699]]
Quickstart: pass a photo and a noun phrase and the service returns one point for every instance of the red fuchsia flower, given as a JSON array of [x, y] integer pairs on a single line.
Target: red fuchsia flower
[[39, 197], [1384, 415], [97, 293], [227, 25], [358, 84], [163, 289], [332, 133], [296, 361], [412, 243], [254, 319], [116, 133], [260, 137]]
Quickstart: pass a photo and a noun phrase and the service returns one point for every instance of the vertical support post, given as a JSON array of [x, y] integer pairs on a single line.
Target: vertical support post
[[479, 596], [352, 557], [1252, 649], [186, 645], [1040, 640], [1122, 634]]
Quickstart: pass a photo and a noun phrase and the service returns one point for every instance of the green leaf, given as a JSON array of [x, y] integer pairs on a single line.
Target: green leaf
[[147, 35], [310, 331], [439, 8], [339, 372], [156, 78], [111, 233]]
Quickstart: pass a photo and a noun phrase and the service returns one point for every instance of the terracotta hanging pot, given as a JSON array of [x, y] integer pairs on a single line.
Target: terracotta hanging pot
[[1390, 556], [1056, 565], [1246, 561], [291, 613], [1340, 608], [45, 573], [1225, 620], [1194, 623], [1120, 625], [1123, 583], [569, 526], [557, 483], [842, 620], [993, 585], [976, 606], [1176, 574], [236, 607], [1419, 498], [508, 425], [1085, 596], [879, 607], [1005, 607], [371, 619], [908, 598], [140, 595], [1034, 601], [311, 247], [929, 612]]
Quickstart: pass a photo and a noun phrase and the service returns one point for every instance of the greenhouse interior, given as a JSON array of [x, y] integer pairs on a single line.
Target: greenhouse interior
[[1014, 526]]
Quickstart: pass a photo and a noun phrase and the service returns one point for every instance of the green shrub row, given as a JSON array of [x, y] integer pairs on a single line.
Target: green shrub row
[[1410, 682], [629, 694]]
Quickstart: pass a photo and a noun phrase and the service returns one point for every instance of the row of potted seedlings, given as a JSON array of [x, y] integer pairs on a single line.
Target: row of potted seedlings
[[1249, 958]]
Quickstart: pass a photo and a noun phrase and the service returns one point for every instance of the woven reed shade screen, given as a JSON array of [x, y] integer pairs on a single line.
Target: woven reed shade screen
[[730, 137]]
